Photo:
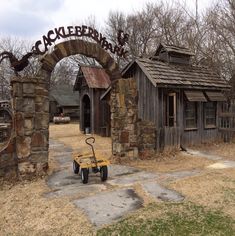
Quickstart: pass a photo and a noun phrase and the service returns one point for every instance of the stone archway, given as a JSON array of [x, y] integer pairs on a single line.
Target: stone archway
[[27, 153]]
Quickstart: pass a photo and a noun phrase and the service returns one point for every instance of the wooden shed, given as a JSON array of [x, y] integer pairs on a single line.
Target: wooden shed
[[183, 100], [64, 100], [92, 82]]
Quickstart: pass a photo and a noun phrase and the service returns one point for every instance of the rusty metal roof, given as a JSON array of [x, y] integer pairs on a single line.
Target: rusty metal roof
[[186, 76], [95, 77]]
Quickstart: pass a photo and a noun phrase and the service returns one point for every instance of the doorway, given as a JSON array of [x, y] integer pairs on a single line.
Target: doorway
[[86, 106], [171, 110]]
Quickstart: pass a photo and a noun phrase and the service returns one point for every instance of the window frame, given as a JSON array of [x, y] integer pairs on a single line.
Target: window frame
[[174, 107], [195, 118], [205, 110]]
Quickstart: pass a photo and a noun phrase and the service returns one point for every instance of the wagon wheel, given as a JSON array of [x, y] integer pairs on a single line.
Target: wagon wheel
[[76, 167], [104, 173], [84, 175]]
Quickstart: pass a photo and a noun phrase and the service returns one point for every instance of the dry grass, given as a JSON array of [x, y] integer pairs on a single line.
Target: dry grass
[[214, 189], [25, 211], [179, 219], [168, 162], [225, 150]]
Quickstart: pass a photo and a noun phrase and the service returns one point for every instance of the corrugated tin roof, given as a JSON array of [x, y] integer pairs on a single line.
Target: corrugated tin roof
[[96, 77], [162, 73]]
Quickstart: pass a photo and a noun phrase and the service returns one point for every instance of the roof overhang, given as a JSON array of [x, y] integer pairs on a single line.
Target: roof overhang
[[146, 73], [105, 93]]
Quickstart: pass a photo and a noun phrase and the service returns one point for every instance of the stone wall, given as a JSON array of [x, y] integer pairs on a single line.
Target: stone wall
[[31, 113], [131, 137]]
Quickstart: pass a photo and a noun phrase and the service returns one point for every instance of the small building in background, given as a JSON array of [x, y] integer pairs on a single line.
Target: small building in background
[[63, 100], [92, 82]]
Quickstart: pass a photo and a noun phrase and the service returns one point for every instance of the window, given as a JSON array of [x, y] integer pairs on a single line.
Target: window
[[190, 115], [210, 114], [171, 110]]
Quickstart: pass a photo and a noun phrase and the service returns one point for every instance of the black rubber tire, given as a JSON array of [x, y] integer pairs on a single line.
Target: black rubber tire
[[84, 175], [103, 173], [76, 167]]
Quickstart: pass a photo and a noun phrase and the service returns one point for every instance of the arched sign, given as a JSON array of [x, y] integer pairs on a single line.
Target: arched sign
[[42, 46]]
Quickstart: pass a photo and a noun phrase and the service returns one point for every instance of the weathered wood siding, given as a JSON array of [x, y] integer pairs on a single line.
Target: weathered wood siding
[[147, 98], [97, 118], [168, 137], [200, 134], [152, 107], [85, 91], [227, 121]]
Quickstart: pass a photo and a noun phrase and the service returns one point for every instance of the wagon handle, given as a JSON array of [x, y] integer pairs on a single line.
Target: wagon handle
[[90, 144]]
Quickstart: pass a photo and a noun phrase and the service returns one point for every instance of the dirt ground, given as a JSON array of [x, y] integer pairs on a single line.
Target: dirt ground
[[70, 135], [26, 211], [169, 161]]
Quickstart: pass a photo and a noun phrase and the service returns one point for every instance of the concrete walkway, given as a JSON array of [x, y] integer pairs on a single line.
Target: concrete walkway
[[220, 164], [105, 202]]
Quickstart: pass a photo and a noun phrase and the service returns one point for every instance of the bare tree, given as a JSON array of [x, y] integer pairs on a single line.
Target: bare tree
[[18, 47], [220, 20]]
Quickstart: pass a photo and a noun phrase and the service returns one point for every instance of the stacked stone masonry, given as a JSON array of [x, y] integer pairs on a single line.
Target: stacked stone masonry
[[31, 112], [131, 137]]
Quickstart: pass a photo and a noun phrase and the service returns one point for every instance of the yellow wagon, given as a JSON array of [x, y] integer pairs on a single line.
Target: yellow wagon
[[86, 162]]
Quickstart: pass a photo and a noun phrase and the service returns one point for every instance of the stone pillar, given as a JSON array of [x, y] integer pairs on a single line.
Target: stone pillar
[[124, 118], [131, 136], [31, 112]]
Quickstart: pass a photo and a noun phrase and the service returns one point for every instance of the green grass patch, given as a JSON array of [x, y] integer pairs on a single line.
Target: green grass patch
[[229, 195], [181, 219]]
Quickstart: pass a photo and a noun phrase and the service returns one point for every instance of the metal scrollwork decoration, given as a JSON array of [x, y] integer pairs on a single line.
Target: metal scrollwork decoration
[[122, 38], [6, 126], [42, 46], [16, 64]]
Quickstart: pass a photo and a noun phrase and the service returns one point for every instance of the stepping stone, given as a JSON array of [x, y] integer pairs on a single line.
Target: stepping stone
[[202, 154], [66, 183], [104, 208], [76, 189], [157, 191], [121, 170], [132, 179], [182, 174], [222, 165]]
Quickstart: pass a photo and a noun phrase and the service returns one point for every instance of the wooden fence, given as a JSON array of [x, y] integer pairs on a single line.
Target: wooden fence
[[227, 122]]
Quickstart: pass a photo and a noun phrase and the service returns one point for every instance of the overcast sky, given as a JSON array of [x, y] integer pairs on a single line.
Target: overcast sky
[[33, 18]]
